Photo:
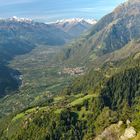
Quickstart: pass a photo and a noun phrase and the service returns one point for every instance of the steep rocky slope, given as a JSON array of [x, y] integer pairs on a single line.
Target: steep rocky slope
[[113, 32]]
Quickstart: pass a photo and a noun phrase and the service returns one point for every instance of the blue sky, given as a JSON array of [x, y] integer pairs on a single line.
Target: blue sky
[[52, 10]]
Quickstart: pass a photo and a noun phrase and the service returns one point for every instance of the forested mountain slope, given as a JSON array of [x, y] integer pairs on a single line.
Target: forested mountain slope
[[84, 109]]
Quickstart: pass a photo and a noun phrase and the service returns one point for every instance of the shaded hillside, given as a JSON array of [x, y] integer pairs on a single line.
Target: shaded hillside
[[9, 78], [121, 89], [34, 32], [9, 48]]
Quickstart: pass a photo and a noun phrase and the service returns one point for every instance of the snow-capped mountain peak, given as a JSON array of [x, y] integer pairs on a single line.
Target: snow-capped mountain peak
[[74, 26], [76, 20], [14, 18], [91, 21]]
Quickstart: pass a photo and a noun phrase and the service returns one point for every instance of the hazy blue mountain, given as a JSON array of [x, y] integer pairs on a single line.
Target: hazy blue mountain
[[76, 26], [35, 32]]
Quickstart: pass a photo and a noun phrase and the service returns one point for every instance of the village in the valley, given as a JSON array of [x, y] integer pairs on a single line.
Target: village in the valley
[[74, 71]]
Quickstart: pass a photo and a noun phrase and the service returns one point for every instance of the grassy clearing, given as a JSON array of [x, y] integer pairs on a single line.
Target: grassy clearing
[[27, 112], [81, 100], [58, 111], [78, 95], [18, 116], [58, 98], [23, 114]]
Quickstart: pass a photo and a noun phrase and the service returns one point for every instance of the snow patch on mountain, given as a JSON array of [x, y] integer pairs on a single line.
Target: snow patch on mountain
[[20, 19], [75, 26], [17, 19], [76, 20]]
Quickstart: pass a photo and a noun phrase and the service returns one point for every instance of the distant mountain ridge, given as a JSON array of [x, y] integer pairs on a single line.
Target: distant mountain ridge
[[77, 20], [16, 19], [68, 28], [32, 31], [75, 26]]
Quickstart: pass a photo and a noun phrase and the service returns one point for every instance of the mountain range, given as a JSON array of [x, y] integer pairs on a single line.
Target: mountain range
[[76, 26], [25, 29]]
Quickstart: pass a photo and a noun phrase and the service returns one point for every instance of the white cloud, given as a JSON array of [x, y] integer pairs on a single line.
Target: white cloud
[[89, 9]]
